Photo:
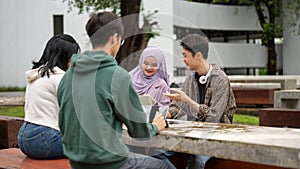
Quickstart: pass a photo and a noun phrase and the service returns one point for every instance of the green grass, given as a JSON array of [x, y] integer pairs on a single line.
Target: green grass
[[245, 119], [18, 111], [11, 88], [14, 111]]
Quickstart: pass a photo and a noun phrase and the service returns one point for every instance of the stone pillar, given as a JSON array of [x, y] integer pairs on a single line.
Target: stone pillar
[[291, 49]]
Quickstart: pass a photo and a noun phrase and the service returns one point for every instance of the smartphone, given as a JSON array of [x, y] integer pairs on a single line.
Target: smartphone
[[154, 109]]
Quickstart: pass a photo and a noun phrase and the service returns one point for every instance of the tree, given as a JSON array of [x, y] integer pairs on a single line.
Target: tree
[[270, 28], [136, 37], [267, 12]]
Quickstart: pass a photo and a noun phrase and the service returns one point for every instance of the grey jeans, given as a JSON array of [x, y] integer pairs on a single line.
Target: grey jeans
[[139, 161], [198, 162]]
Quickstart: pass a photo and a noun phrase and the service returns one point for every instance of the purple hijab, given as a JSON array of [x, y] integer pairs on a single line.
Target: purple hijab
[[142, 83]]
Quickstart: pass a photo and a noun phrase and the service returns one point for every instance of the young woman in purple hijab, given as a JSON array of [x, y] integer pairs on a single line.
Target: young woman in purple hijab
[[150, 77]]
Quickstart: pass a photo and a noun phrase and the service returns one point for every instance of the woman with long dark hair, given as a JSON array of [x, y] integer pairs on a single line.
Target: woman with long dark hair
[[39, 136]]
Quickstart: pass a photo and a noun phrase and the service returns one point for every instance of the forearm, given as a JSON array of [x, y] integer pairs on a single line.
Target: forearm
[[201, 109], [194, 105]]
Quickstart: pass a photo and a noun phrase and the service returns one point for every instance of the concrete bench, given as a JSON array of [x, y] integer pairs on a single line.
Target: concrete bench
[[13, 158], [274, 117], [9, 128], [287, 99], [218, 163], [254, 93], [180, 162], [257, 90], [286, 82]]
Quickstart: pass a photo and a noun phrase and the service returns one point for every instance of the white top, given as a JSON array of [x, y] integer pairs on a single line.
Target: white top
[[41, 105]]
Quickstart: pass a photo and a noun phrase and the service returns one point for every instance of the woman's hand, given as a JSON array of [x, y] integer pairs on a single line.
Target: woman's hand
[[178, 95]]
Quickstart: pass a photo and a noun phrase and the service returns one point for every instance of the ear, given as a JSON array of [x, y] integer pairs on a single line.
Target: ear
[[114, 39], [198, 55]]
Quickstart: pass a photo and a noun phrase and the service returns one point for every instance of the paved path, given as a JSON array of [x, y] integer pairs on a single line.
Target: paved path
[[12, 98], [12, 94]]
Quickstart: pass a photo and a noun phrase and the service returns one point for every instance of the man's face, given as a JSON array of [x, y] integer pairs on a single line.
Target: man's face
[[190, 61]]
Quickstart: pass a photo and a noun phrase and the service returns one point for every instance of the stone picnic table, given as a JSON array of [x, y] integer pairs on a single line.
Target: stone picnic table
[[278, 147]]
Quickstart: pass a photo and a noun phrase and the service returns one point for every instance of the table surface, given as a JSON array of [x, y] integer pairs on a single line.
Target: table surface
[[256, 144]]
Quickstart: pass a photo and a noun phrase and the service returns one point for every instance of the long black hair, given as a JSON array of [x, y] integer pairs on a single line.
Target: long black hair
[[57, 52]]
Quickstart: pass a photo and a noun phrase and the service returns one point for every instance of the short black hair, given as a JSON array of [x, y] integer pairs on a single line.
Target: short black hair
[[195, 43], [59, 49], [101, 26]]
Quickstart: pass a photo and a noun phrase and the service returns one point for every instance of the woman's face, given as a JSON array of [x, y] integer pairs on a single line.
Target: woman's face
[[150, 66]]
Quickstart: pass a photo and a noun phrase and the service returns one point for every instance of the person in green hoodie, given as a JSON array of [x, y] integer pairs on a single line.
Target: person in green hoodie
[[96, 98]]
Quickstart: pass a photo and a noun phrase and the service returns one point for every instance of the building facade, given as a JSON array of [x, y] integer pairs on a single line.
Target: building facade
[[233, 32]]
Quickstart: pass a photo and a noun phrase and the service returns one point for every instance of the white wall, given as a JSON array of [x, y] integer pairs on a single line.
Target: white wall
[[221, 17], [26, 26], [215, 17], [231, 55]]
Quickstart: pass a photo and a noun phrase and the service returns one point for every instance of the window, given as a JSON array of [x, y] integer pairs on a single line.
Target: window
[[58, 24], [180, 71]]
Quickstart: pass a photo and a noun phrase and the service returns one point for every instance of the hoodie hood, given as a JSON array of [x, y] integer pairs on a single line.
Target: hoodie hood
[[33, 74], [94, 59]]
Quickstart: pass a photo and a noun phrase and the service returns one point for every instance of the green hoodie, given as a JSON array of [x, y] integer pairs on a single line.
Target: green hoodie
[[96, 97]]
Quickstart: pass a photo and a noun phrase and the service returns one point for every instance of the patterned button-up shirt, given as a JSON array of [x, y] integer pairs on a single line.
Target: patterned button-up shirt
[[219, 103]]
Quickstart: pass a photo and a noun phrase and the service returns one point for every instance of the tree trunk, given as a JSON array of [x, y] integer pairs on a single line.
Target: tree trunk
[[272, 59], [135, 40], [270, 44]]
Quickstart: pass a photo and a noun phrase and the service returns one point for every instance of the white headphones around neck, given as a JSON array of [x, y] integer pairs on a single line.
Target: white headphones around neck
[[203, 79]]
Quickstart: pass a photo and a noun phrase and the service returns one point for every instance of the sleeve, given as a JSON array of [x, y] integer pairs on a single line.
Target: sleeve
[[219, 99], [130, 112], [174, 109], [56, 81]]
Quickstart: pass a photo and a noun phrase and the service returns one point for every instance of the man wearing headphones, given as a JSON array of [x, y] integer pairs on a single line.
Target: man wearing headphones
[[206, 94]]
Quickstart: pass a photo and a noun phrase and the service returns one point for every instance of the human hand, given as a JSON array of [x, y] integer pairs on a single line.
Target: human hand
[[168, 115], [159, 121], [178, 95]]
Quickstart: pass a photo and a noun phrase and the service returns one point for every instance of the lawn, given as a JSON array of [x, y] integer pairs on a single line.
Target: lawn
[[245, 119], [15, 111], [11, 88], [18, 111]]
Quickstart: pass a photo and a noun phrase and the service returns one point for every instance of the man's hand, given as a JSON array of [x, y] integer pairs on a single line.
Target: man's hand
[[168, 115], [159, 121], [178, 95]]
